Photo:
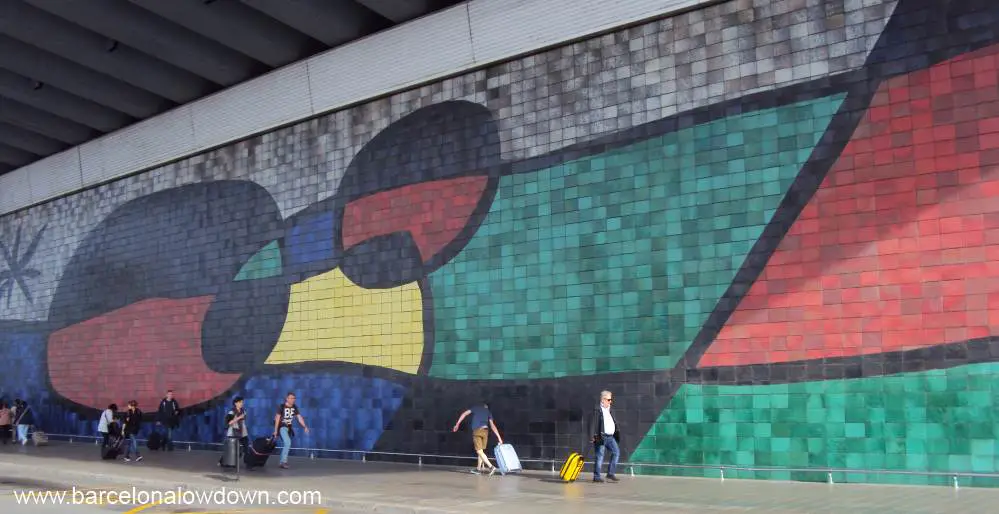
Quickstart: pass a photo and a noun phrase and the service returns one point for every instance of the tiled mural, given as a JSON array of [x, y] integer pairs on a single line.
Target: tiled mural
[[767, 226]]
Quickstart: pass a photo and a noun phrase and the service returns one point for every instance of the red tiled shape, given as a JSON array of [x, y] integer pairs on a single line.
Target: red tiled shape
[[434, 213], [136, 353], [898, 235]]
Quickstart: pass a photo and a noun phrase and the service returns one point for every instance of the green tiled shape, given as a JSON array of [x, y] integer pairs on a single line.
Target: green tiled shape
[[941, 421], [613, 262], [265, 263]]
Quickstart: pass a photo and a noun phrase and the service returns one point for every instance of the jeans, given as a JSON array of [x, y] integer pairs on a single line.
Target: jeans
[[608, 444], [285, 444], [133, 446], [168, 443], [22, 434]]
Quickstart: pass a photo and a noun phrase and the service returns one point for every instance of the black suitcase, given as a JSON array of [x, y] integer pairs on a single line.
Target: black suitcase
[[155, 441], [111, 450], [260, 449]]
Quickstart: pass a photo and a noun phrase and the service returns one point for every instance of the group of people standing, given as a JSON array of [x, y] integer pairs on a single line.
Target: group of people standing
[[128, 423], [15, 420]]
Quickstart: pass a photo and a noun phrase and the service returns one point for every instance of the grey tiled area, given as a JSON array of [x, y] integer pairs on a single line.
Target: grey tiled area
[[542, 103], [356, 486]]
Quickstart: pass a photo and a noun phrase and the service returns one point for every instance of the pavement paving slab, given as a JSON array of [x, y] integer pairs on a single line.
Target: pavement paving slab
[[352, 486]]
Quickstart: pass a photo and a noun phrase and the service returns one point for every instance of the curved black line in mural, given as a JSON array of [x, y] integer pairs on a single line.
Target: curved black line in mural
[[383, 262], [429, 323], [243, 324], [832, 143], [945, 356]]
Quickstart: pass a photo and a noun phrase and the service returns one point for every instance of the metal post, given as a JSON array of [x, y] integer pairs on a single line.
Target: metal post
[[421, 461], [188, 447], [364, 457], [312, 455], [632, 469], [956, 485], [553, 466], [70, 440], [722, 474], [829, 477]]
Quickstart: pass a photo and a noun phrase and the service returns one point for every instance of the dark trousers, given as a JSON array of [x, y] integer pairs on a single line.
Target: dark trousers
[[167, 438], [5, 433]]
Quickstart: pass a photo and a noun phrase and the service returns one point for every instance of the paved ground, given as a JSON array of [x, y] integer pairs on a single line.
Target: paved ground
[[379, 487]]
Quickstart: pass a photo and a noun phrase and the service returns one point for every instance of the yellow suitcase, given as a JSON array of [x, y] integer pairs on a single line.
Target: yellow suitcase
[[571, 468]]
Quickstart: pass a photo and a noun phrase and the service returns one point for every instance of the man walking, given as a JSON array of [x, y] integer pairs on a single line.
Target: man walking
[[605, 436], [286, 414], [482, 421], [168, 416]]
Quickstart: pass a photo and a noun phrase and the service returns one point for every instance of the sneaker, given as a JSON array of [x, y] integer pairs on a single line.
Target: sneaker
[[598, 480], [612, 478], [475, 471], [283, 465], [137, 459], [492, 471], [126, 459]]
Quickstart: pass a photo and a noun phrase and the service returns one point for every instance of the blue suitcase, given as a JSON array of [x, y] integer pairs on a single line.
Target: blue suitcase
[[506, 459]]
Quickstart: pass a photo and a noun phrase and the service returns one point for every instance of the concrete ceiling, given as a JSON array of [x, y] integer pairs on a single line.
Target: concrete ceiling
[[73, 70]]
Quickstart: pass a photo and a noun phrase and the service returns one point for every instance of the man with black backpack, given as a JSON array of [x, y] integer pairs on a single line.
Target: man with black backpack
[[168, 416]]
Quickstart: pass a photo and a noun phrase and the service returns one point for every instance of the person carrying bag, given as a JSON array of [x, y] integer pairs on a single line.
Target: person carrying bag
[[236, 435]]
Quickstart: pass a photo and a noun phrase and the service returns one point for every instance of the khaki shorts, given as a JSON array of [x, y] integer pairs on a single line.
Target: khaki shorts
[[479, 438]]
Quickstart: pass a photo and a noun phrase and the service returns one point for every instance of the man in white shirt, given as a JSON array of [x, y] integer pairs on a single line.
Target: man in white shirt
[[605, 435]]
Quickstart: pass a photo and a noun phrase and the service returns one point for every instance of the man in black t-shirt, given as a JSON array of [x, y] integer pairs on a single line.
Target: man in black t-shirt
[[287, 413]]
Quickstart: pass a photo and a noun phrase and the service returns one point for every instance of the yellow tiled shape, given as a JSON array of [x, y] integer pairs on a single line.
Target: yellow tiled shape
[[332, 319]]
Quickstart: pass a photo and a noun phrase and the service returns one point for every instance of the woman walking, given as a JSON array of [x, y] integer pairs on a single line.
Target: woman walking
[[133, 421]]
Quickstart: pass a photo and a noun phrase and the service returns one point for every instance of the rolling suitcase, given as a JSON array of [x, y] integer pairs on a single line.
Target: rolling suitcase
[[155, 441], [260, 449], [571, 468], [506, 459], [113, 448], [230, 453]]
